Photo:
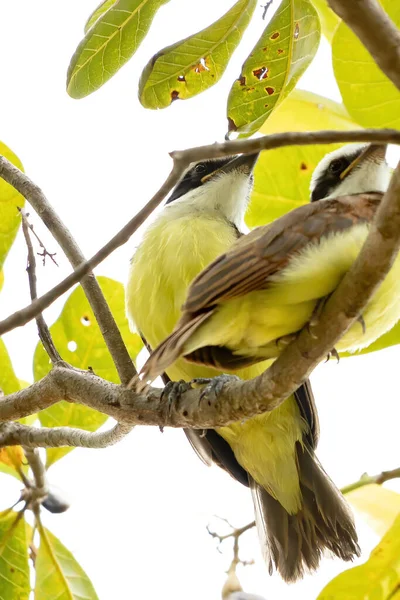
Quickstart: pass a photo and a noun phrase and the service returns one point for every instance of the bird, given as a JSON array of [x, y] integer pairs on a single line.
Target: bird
[[299, 511]]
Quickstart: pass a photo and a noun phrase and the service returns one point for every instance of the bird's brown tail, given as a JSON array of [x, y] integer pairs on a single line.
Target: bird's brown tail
[[294, 543]]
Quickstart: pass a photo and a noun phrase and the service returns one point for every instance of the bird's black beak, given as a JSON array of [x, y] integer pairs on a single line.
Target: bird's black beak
[[372, 153], [244, 163]]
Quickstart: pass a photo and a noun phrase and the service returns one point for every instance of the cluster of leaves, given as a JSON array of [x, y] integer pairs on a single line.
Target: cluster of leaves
[[263, 99]]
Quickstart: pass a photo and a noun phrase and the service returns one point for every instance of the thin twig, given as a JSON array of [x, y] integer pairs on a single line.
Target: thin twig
[[12, 434], [182, 159], [111, 334], [36, 493], [366, 479], [375, 30], [44, 332]]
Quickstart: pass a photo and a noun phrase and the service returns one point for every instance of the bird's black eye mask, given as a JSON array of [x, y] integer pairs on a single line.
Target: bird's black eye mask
[[330, 178], [193, 177]]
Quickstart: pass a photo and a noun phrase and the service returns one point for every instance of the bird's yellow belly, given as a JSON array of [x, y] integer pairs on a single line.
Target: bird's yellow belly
[[251, 325], [158, 282]]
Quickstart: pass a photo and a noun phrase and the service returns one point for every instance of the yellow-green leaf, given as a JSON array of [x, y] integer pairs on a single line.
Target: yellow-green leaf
[[14, 566], [196, 63], [100, 10], [109, 44], [10, 199], [11, 458], [376, 579], [282, 176], [378, 505], [328, 19], [77, 337], [58, 574], [274, 66], [369, 96]]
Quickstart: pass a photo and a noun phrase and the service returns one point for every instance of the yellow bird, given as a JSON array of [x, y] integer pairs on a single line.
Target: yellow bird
[[298, 509]]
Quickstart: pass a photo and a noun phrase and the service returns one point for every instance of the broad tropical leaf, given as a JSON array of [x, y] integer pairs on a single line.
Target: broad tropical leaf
[[377, 579], [195, 63], [100, 10], [369, 96], [328, 19], [77, 337], [274, 66], [282, 176], [58, 574], [109, 44], [14, 566], [378, 506], [10, 200]]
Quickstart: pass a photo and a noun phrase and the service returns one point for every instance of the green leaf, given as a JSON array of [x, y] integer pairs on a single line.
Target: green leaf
[[274, 66], [328, 19], [100, 10], [369, 96], [109, 44], [10, 199], [196, 63], [58, 574], [14, 566], [282, 176], [376, 579], [78, 338]]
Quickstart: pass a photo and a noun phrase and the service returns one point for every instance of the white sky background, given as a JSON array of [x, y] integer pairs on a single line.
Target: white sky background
[[139, 511]]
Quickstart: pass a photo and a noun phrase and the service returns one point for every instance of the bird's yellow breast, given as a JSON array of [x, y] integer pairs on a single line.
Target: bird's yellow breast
[[251, 324], [172, 254]]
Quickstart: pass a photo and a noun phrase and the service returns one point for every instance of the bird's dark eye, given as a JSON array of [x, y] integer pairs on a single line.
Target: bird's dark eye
[[338, 165], [200, 168]]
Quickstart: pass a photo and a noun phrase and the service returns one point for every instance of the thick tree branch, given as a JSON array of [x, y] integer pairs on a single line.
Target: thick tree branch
[[44, 332], [13, 434], [36, 198], [181, 160], [375, 30]]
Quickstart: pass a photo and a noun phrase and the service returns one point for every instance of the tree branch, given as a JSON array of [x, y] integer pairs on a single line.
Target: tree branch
[[366, 479], [63, 236], [375, 30], [44, 332], [13, 434], [35, 494], [181, 160]]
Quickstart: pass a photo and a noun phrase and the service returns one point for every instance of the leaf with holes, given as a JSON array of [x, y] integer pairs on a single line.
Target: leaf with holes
[[98, 12], [377, 579], [10, 200], [282, 176], [109, 44], [328, 19], [14, 566], [196, 63], [276, 63], [378, 505], [58, 574], [77, 337], [369, 96]]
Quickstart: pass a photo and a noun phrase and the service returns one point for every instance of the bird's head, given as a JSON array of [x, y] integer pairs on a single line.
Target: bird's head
[[352, 169], [222, 184]]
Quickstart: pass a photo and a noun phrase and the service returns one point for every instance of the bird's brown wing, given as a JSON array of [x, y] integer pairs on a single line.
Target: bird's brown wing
[[267, 250]]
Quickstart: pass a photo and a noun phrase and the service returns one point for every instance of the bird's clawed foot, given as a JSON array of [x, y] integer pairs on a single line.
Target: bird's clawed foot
[[333, 353], [172, 393], [213, 387], [285, 340]]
